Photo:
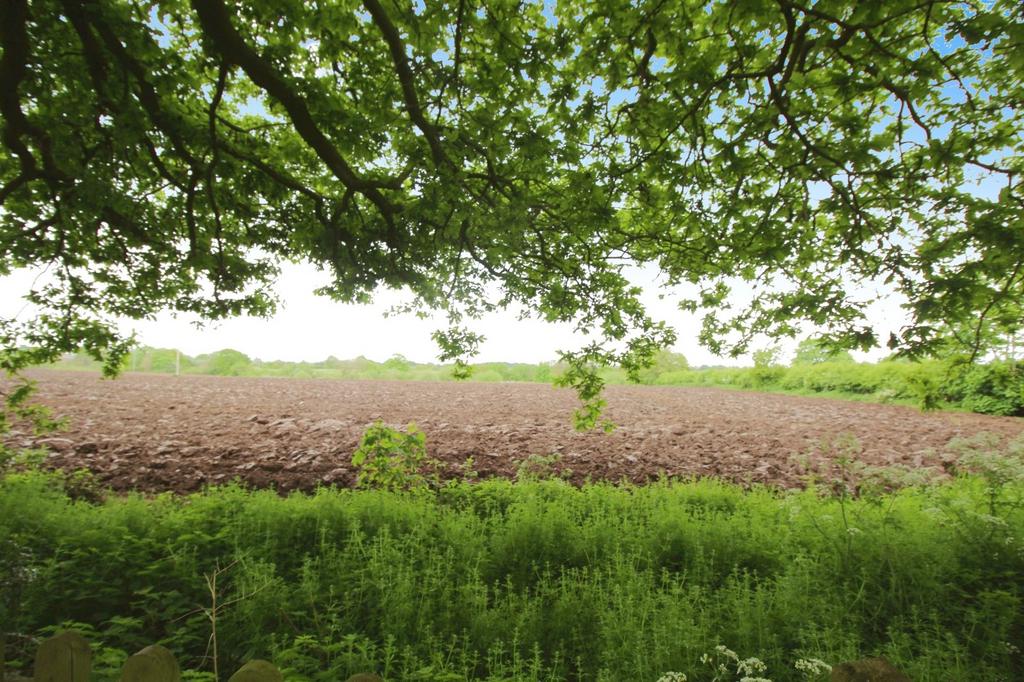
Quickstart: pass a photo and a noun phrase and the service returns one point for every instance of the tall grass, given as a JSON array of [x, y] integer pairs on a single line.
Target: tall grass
[[534, 580]]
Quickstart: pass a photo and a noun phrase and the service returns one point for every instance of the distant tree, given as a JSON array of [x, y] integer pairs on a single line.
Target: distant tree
[[397, 363], [162, 360], [664, 361], [767, 368], [227, 362], [168, 154], [812, 351], [767, 357]]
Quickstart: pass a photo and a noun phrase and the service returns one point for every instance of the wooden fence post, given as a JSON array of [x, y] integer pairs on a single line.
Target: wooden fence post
[[65, 657], [257, 671], [152, 664]]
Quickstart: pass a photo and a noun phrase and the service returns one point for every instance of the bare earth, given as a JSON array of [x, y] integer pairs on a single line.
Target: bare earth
[[156, 433]]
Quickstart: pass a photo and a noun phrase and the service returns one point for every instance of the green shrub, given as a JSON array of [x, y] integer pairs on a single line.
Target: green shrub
[[994, 388], [389, 459]]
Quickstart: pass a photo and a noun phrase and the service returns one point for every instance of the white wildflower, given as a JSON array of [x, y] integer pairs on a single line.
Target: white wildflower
[[727, 652], [672, 677], [812, 667], [750, 666]]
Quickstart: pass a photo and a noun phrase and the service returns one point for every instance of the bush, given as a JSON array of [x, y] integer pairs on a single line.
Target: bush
[[995, 388], [388, 459]]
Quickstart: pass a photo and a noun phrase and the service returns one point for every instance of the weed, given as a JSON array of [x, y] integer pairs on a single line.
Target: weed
[[388, 459], [533, 581], [467, 470], [984, 456], [539, 467]]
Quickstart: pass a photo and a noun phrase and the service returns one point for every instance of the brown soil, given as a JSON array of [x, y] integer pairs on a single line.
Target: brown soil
[[156, 433]]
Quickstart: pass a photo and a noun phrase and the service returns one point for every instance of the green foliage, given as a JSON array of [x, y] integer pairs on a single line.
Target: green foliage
[[999, 467], [171, 155], [767, 370], [162, 360], [539, 467], [15, 408], [663, 362], [397, 363], [227, 362], [454, 344], [389, 459], [994, 388], [813, 351], [535, 580], [581, 374], [397, 368]]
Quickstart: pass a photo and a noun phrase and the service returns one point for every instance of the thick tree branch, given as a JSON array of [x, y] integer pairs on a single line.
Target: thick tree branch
[[405, 78], [643, 69], [215, 21], [211, 175], [12, 187], [94, 60], [14, 39], [457, 63], [148, 95]]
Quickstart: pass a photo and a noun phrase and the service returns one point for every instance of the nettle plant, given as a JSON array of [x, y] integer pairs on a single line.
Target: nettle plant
[[390, 459], [15, 409], [999, 466]]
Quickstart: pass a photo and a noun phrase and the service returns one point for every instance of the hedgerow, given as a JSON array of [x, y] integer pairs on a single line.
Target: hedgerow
[[535, 580]]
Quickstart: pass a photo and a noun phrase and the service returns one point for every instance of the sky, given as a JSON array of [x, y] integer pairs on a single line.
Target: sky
[[311, 328]]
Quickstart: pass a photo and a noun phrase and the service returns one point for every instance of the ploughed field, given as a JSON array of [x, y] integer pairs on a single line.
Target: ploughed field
[[156, 433]]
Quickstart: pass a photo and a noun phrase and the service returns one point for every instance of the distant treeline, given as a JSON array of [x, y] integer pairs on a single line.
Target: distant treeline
[[996, 387], [229, 362]]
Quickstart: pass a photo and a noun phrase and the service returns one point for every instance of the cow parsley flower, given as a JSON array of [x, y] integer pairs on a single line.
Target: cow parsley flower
[[812, 667], [672, 677]]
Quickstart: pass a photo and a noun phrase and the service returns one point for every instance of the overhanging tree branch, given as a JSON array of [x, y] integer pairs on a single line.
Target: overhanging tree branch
[[215, 21], [406, 80], [13, 68]]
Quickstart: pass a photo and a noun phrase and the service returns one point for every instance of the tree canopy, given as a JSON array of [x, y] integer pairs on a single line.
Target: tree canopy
[[485, 153]]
